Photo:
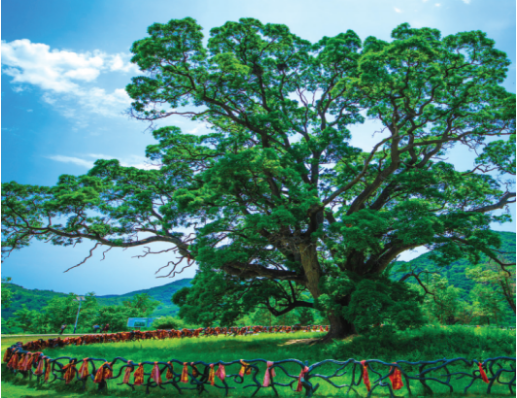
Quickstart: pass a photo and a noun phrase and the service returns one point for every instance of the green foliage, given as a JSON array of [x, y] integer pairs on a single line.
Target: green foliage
[[114, 315], [7, 294], [168, 322], [445, 305], [141, 304], [486, 304], [278, 198], [380, 301], [36, 299]]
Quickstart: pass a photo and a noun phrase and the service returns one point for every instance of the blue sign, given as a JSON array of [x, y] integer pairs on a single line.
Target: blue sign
[[140, 322]]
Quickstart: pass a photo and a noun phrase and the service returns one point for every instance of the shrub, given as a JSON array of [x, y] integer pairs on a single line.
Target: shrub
[[168, 322]]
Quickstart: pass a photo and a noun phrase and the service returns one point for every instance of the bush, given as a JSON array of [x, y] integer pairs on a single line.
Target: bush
[[168, 322]]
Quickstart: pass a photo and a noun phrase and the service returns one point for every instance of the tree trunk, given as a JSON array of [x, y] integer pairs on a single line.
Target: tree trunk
[[339, 328]]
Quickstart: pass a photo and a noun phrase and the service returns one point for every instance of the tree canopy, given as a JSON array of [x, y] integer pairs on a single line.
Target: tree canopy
[[275, 199]]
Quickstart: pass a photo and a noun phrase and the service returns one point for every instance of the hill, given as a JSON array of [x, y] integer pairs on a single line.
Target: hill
[[455, 272], [36, 299]]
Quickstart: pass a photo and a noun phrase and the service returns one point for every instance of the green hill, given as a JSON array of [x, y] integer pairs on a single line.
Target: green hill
[[36, 299], [455, 272]]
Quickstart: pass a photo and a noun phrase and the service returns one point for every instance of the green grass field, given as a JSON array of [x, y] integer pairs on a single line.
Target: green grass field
[[425, 344]]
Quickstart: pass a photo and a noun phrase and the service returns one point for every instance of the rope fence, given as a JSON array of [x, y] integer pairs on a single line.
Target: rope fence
[[257, 374]]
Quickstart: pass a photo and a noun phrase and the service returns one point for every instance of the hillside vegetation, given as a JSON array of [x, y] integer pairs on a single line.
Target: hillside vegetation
[[36, 299]]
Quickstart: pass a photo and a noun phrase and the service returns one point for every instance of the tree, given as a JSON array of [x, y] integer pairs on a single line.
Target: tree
[[501, 280], [486, 303], [274, 198], [114, 315], [28, 321], [7, 294], [142, 304], [444, 303]]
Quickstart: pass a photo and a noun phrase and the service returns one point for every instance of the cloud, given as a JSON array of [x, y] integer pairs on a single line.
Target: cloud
[[438, 5], [397, 10], [73, 160], [466, 1], [65, 75], [138, 162]]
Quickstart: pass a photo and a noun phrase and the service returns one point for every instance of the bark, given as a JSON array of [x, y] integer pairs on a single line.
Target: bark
[[311, 267], [339, 326]]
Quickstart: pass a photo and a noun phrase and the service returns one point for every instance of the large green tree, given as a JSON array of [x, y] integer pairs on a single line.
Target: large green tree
[[276, 198]]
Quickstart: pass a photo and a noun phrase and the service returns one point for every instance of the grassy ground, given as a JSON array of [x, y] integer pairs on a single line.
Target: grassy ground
[[425, 344]]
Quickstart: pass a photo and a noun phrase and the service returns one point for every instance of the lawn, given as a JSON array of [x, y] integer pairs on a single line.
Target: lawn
[[426, 344]]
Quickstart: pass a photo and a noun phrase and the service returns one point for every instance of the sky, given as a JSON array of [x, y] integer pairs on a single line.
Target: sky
[[64, 68]]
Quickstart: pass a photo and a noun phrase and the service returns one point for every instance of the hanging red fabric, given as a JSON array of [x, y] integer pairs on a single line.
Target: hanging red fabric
[[127, 373], [366, 377], [169, 375], [211, 375], [303, 372], [482, 373], [396, 378], [84, 371], [139, 375], [270, 373], [156, 375], [184, 373], [221, 372]]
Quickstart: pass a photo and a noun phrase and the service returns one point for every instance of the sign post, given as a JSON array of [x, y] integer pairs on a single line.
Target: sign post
[[80, 299]]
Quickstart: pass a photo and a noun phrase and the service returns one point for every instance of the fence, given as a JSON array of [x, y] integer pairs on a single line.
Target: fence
[[257, 374]]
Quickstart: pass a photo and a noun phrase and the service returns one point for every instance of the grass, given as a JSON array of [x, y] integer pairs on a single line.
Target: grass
[[425, 344]]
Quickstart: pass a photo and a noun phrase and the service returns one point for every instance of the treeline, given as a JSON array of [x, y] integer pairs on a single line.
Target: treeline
[[36, 299], [63, 311]]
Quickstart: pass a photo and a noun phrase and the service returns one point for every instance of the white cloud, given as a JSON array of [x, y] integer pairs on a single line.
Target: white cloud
[[139, 162], [438, 5], [466, 1], [397, 10], [64, 75], [73, 160]]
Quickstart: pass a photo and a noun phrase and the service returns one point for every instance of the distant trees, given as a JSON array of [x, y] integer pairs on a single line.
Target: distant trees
[[63, 310], [141, 303], [7, 294], [501, 282]]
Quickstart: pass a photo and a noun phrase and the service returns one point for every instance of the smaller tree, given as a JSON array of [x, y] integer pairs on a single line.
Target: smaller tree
[[114, 315], [486, 304], [28, 321], [443, 303], [142, 304], [500, 279], [61, 311], [7, 294]]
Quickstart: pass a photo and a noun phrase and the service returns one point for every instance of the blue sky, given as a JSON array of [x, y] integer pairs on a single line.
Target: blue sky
[[65, 65]]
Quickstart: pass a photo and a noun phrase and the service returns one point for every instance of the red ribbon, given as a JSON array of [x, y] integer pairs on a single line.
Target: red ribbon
[[482, 373], [127, 373], [270, 373], [366, 377], [156, 375], [303, 372], [221, 372], [396, 378]]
